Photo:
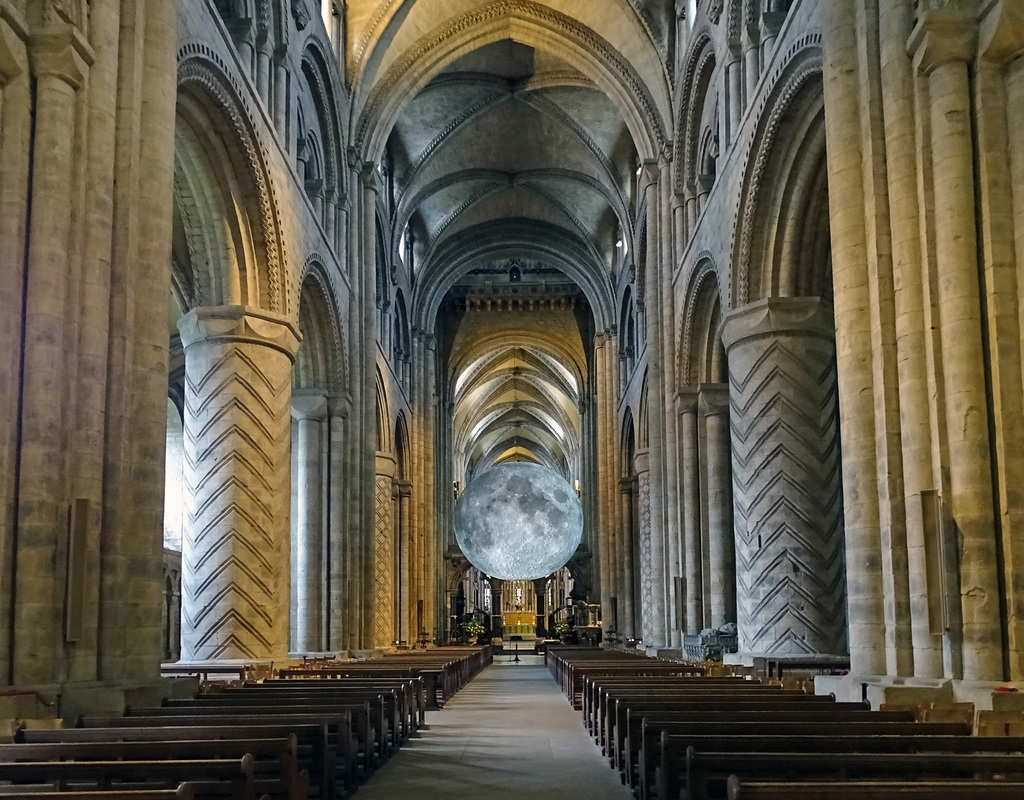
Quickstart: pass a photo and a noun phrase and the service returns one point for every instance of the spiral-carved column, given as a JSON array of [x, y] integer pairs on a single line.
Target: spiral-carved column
[[235, 555], [791, 592]]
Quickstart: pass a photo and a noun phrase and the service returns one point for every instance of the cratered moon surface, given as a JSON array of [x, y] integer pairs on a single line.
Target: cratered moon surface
[[518, 521]]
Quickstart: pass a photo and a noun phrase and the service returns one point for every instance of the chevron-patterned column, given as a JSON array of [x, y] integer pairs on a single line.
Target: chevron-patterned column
[[790, 579], [235, 557], [384, 555], [651, 562]]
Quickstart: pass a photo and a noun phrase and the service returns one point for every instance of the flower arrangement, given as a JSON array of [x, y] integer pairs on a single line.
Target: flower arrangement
[[472, 628]]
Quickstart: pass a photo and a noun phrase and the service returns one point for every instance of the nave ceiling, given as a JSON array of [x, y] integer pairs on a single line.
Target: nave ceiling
[[510, 153]]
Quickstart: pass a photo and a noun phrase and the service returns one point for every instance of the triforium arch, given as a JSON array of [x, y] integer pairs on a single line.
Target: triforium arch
[[780, 339]]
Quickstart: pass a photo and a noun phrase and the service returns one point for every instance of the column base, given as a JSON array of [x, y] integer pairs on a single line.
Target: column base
[[68, 701], [942, 692]]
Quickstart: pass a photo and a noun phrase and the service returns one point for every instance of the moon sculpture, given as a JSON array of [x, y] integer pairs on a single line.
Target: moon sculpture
[[518, 521]]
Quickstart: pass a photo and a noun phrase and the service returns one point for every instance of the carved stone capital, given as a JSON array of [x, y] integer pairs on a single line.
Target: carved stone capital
[[13, 36], [650, 172], [642, 461], [339, 405], [369, 177], [942, 36], [792, 316], [686, 401], [309, 406], [385, 465], [62, 52], [1001, 34], [223, 324], [714, 399]]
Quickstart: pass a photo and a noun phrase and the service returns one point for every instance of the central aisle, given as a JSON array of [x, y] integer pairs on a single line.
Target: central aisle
[[509, 733]]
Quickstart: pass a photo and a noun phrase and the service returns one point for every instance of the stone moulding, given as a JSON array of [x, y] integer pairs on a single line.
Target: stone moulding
[[200, 65]]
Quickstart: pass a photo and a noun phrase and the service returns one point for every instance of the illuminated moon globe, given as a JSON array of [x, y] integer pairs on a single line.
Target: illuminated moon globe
[[518, 521]]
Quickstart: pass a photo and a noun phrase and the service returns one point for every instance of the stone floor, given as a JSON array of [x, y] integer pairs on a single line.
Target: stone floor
[[509, 734]]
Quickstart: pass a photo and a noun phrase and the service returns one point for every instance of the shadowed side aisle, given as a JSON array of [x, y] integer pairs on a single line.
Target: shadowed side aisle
[[510, 732]]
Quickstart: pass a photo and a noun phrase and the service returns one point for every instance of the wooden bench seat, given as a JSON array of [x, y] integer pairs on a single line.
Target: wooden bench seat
[[704, 774], [618, 707], [237, 774], [367, 724], [315, 752], [625, 743], [663, 747], [185, 791], [875, 790], [357, 761]]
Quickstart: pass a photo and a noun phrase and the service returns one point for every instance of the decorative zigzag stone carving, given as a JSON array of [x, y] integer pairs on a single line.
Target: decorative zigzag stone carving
[[383, 564], [647, 559], [237, 468], [790, 577]]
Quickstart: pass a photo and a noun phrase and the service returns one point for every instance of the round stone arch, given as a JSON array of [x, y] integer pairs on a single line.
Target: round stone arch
[[544, 242], [527, 23], [696, 82], [700, 360], [211, 105], [326, 365], [792, 110], [321, 82]]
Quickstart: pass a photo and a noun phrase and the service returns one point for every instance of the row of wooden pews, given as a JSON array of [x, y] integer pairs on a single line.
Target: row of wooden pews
[[292, 738], [673, 733]]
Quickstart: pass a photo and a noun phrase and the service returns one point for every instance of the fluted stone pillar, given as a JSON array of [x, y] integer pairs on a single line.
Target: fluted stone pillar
[[943, 44], [235, 558], [790, 584], [308, 414], [714, 413], [686, 403], [383, 554]]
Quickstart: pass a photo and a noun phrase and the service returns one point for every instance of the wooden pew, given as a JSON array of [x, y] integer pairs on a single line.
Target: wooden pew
[[766, 700], [706, 773], [314, 751], [626, 744], [663, 748], [236, 774], [367, 723], [185, 791], [357, 762], [875, 790], [275, 760]]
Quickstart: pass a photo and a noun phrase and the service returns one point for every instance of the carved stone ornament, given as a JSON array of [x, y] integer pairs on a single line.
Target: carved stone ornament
[[300, 11], [714, 10]]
